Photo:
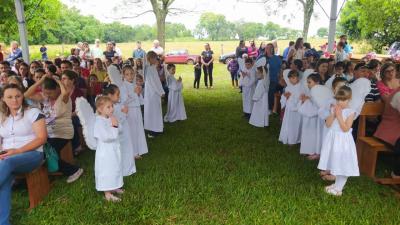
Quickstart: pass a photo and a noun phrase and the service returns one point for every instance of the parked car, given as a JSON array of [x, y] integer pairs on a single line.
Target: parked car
[[225, 58], [180, 56]]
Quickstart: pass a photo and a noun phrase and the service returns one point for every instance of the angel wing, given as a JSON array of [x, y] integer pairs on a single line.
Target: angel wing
[[321, 95], [260, 62], [87, 119], [395, 102], [241, 64], [360, 89], [115, 75]]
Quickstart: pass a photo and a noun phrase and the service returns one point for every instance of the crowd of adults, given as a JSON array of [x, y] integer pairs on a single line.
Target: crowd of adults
[[38, 99]]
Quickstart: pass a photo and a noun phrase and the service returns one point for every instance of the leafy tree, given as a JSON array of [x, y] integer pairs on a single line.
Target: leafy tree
[[215, 27], [322, 32], [373, 20], [247, 31], [176, 30]]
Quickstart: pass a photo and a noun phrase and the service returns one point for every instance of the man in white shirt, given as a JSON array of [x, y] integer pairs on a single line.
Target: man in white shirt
[[97, 52], [157, 48], [117, 50]]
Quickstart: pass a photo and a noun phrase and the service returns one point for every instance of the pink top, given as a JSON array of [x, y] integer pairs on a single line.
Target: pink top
[[252, 52], [389, 128], [383, 89]]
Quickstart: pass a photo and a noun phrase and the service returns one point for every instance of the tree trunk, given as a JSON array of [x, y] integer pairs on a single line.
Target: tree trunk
[[161, 29], [308, 11]]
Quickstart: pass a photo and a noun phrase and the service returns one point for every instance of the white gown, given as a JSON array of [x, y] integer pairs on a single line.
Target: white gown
[[248, 88], [127, 150], [176, 107], [107, 166], [134, 118], [291, 125], [338, 152], [260, 113], [312, 128], [153, 118]]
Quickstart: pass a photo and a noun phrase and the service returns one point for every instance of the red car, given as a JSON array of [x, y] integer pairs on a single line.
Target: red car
[[180, 56]]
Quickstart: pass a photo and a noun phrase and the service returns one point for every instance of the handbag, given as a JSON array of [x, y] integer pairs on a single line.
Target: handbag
[[51, 158]]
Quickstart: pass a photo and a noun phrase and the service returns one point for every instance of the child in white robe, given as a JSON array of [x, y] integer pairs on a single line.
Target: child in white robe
[[291, 125], [339, 72], [260, 112], [248, 83], [176, 107], [312, 126], [339, 154], [153, 117], [107, 169], [121, 113], [130, 96]]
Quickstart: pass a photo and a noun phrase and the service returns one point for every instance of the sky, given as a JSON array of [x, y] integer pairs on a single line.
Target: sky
[[291, 15]]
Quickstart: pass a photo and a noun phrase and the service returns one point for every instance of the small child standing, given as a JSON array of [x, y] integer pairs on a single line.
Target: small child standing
[[197, 72], [260, 113], [233, 68], [248, 87], [176, 107], [339, 72], [107, 169], [291, 124], [339, 143], [130, 97]]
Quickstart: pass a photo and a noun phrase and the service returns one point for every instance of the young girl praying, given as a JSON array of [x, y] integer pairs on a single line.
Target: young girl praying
[[248, 83], [107, 168], [125, 138], [176, 108], [130, 97], [338, 154], [291, 125], [260, 112]]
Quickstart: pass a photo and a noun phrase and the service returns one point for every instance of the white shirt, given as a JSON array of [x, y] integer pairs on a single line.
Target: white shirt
[[17, 131], [159, 50]]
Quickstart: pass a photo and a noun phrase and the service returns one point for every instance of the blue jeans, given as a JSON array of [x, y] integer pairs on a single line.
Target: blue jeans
[[20, 163]]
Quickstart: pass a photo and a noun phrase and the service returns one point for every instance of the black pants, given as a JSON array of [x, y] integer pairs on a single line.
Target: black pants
[[208, 74], [64, 167], [197, 76], [273, 87], [76, 141], [396, 149]]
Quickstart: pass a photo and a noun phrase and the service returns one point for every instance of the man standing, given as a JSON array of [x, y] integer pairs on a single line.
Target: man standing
[[97, 52], [138, 53], [157, 48]]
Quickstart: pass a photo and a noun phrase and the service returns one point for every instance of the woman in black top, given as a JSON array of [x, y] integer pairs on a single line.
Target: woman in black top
[[241, 49], [110, 52], [207, 61]]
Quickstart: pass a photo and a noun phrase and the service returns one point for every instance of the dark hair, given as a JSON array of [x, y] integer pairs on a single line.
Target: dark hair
[[360, 65], [75, 60], [340, 65], [384, 68], [5, 111], [347, 65], [48, 62], [307, 45], [57, 62], [24, 64], [11, 73], [291, 43], [52, 68], [315, 77], [151, 54], [343, 36], [72, 75], [248, 60], [344, 93], [298, 63], [5, 63], [50, 84], [66, 62], [373, 64], [170, 66], [72, 51], [40, 70], [110, 89], [36, 62], [338, 80], [321, 61], [293, 73], [297, 44]]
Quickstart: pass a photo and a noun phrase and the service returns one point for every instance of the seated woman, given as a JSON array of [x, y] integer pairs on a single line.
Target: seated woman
[[57, 108], [389, 128], [22, 134], [388, 83]]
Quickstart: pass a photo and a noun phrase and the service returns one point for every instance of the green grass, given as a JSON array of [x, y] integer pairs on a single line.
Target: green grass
[[214, 168]]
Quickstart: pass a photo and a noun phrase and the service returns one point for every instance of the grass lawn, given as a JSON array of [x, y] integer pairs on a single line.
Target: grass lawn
[[214, 168]]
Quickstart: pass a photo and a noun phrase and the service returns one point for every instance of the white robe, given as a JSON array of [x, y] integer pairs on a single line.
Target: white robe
[[291, 125], [248, 88], [134, 118], [311, 129], [127, 151], [260, 113], [153, 118], [107, 166], [176, 107]]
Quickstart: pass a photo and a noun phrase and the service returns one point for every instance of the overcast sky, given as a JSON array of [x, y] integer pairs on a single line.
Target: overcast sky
[[289, 16]]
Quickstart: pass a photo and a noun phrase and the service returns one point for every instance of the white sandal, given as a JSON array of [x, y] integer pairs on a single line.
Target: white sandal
[[333, 191]]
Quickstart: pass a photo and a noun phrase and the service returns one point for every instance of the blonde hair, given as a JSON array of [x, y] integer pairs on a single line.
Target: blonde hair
[[100, 101], [343, 94]]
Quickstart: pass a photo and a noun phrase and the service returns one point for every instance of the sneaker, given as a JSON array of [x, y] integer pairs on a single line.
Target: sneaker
[[333, 191], [75, 176]]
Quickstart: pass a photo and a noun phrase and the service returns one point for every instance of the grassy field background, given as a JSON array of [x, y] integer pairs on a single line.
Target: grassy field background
[[194, 47], [214, 168]]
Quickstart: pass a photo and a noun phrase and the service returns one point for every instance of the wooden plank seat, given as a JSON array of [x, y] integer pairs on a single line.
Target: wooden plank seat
[[38, 185], [368, 148]]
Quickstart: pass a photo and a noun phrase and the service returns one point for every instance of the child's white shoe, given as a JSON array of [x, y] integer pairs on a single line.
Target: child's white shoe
[[333, 191]]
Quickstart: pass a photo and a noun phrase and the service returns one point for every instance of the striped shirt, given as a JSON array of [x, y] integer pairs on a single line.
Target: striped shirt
[[374, 94]]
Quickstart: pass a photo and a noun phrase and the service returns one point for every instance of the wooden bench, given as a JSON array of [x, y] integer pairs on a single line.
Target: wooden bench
[[38, 185], [368, 148], [66, 153]]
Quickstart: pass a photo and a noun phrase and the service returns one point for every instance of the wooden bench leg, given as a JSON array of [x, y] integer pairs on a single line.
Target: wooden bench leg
[[359, 148], [66, 153], [38, 186], [368, 162]]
